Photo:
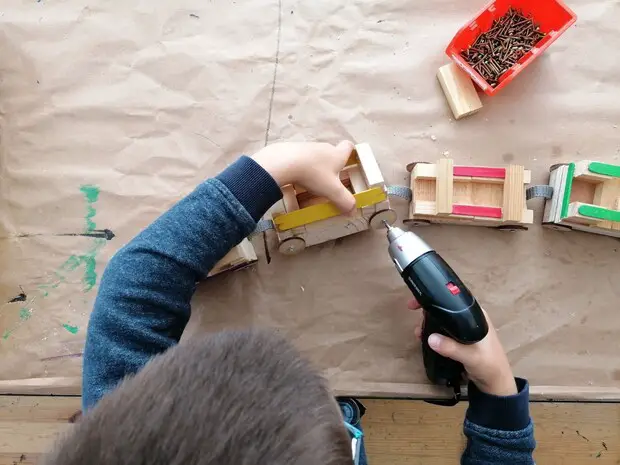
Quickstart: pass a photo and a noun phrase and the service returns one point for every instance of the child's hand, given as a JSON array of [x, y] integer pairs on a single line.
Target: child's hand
[[312, 165], [485, 362]]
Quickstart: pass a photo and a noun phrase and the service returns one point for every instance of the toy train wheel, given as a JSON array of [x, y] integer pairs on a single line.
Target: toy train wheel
[[511, 227], [410, 166], [292, 246], [388, 215], [418, 222], [558, 227]]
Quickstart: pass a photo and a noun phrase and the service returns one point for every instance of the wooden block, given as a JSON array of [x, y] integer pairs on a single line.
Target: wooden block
[[240, 256], [459, 90], [289, 196], [357, 180], [422, 207], [370, 167], [553, 207], [616, 226], [299, 189], [574, 216], [424, 171], [582, 171], [487, 180], [606, 195], [528, 217], [444, 186], [514, 194], [335, 228]]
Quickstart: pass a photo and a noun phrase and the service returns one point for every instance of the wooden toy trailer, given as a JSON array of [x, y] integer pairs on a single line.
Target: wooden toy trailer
[[302, 219], [469, 195], [586, 197], [240, 256]]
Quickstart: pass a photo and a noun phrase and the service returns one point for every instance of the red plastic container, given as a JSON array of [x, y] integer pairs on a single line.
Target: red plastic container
[[552, 16]]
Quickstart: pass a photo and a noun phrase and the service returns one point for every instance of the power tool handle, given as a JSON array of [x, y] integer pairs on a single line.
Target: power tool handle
[[439, 369]]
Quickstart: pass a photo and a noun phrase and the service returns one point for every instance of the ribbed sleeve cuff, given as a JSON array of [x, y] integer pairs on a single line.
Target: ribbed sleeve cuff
[[253, 187], [511, 413]]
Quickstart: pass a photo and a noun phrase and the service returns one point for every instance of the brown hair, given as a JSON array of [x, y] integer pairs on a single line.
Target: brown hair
[[236, 397]]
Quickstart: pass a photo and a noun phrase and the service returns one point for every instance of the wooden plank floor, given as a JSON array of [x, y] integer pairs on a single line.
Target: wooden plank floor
[[398, 432]]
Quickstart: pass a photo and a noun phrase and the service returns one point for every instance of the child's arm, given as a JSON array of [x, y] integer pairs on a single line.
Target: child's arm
[[143, 303], [497, 425]]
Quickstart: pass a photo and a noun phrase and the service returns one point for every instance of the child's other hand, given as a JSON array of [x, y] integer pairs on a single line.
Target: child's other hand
[[485, 362], [312, 165]]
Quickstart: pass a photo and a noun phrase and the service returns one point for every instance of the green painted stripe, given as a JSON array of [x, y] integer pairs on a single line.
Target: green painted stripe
[[567, 190], [604, 214], [605, 169]]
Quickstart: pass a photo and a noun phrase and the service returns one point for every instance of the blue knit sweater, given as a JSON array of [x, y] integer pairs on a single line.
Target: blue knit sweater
[[143, 303]]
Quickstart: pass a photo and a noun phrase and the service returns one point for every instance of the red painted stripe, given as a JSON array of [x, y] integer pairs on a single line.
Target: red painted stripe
[[472, 210], [479, 172]]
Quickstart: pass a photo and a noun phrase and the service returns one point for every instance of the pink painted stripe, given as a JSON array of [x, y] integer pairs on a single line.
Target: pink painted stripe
[[472, 210], [479, 172]]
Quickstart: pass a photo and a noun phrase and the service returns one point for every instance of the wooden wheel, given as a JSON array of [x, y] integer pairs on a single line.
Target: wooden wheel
[[417, 222], [410, 166], [511, 227], [556, 166], [388, 215], [558, 227], [292, 246]]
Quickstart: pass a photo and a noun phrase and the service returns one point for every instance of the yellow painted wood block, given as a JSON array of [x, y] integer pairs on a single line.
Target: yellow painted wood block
[[326, 210]]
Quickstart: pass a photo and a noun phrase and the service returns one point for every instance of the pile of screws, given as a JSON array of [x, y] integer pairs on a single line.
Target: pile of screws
[[498, 49]]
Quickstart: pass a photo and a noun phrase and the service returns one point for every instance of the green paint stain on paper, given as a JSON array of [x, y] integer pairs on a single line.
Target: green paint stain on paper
[[24, 313], [6, 334], [91, 194], [71, 329], [88, 261]]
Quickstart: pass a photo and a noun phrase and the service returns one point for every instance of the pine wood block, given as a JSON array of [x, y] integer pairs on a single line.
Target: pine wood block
[[370, 167], [289, 196], [444, 186], [606, 195], [424, 171], [616, 225], [574, 216], [514, 194], [459, 90], [334, 228], [357, 180], [424, 207], [582, 171], [243, 254]]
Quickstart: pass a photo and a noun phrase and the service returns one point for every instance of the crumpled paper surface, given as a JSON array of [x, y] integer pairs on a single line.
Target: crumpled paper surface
[[111, 111]]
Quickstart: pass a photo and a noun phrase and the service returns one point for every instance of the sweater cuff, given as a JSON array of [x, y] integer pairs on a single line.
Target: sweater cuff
[[253, 187], [510, 413]]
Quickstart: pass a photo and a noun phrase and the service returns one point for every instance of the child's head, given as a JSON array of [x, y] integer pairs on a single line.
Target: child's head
[[231, 398]]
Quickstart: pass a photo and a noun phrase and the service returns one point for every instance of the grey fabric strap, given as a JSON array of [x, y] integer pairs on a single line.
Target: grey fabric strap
[[535, 192], [262, 226], [400, 191]]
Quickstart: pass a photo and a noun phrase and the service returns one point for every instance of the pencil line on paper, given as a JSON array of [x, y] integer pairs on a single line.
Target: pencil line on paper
[[275, 72]]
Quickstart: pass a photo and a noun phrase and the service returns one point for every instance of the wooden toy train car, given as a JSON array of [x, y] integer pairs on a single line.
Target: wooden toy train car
[[586, 197], [469, 195], [302, 219]]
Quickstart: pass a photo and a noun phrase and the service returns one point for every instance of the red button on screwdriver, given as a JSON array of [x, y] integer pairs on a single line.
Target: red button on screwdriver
[[453, 289]]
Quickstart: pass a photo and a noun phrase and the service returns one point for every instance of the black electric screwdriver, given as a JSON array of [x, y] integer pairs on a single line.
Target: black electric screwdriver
[[449, 307]]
